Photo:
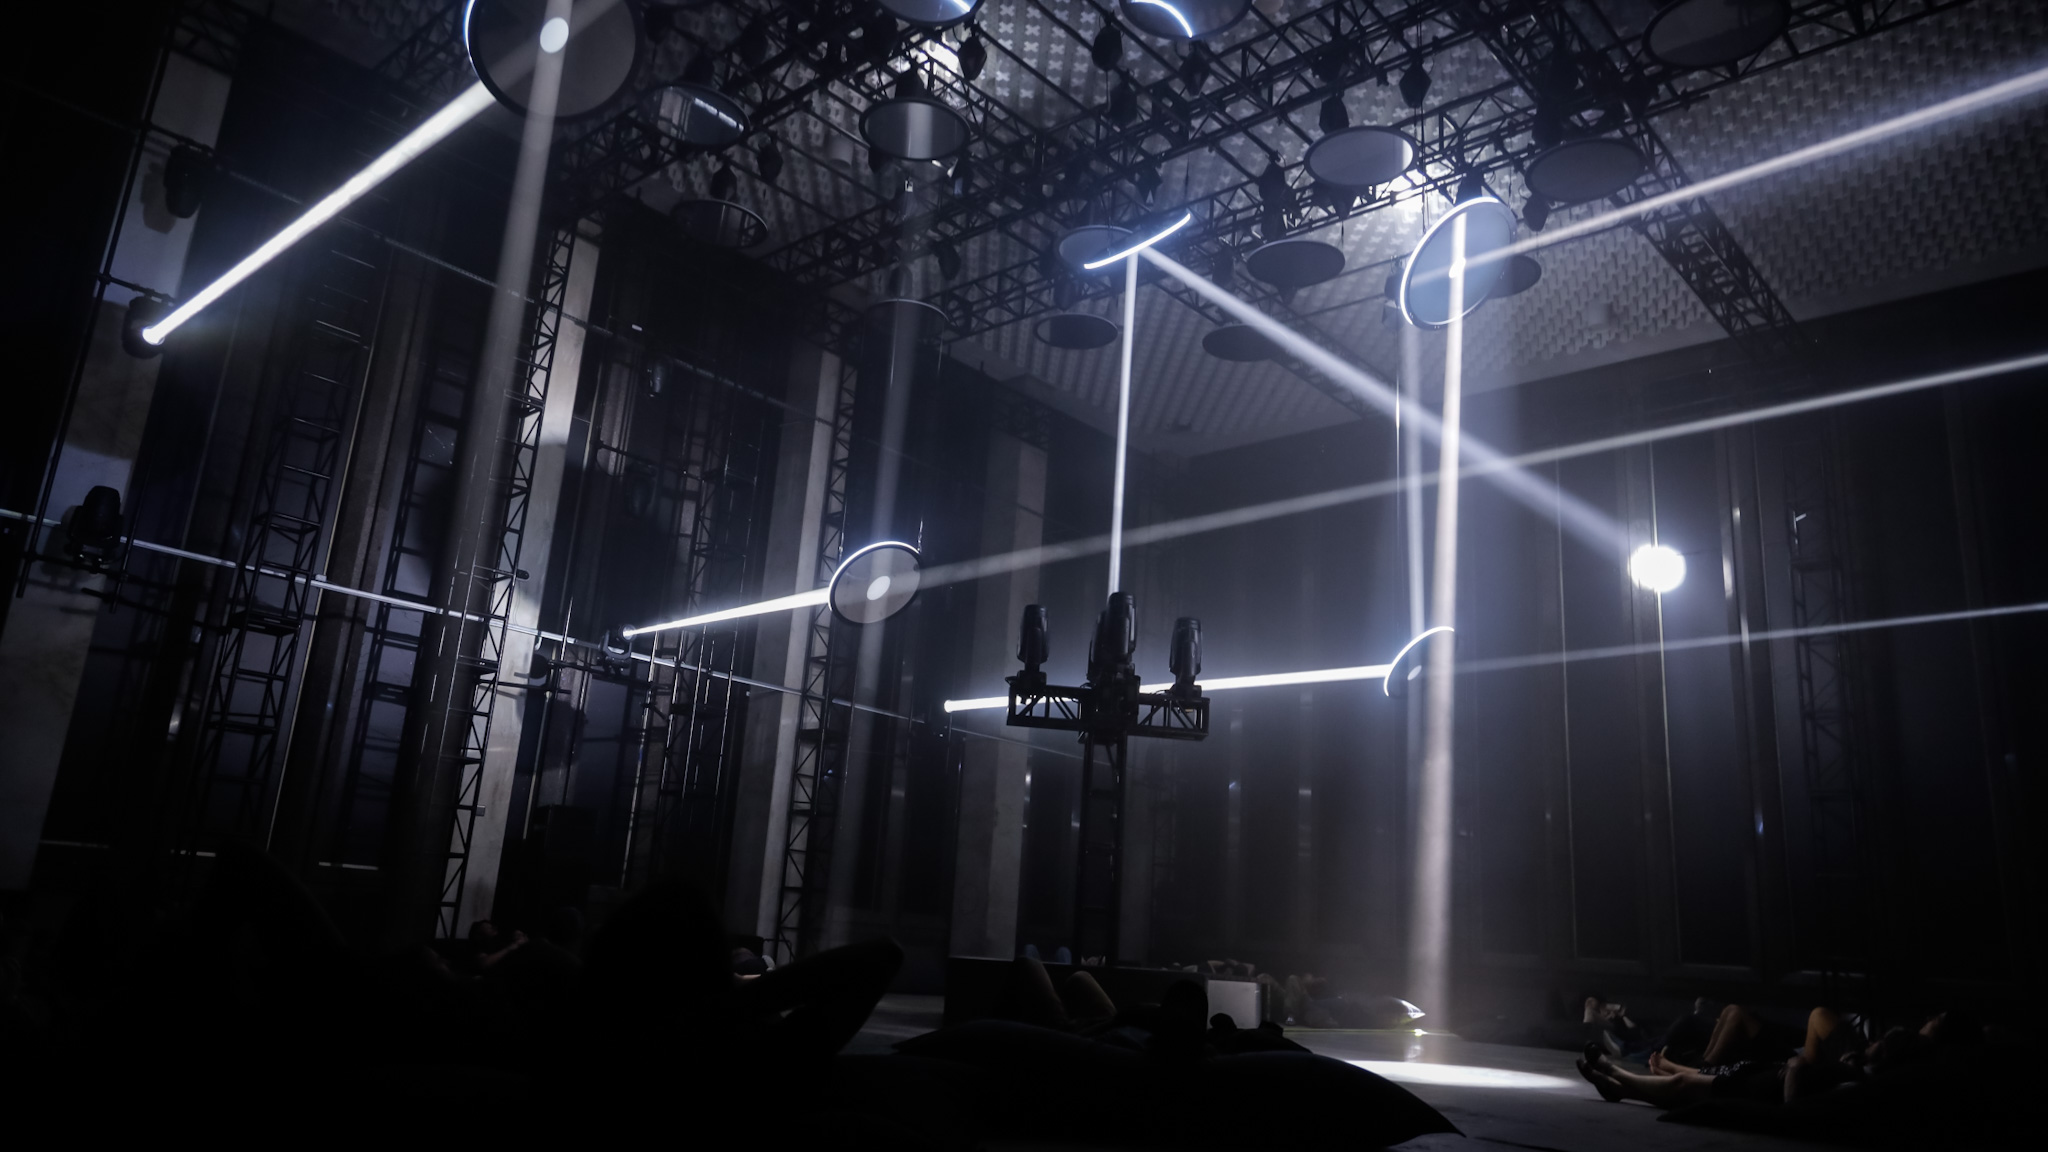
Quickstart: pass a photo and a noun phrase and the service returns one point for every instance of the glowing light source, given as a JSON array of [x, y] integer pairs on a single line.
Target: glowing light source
[[437, 127], [1141, 245], [1185, 27], [811, 599], [1221, 684], [1657, 568], [554, 34], [1458, 1075]]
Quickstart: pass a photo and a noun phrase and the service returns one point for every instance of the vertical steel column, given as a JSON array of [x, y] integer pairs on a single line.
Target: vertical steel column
[[1098, 873], [821, 721], [1823, 664], [528, 400], [254, 678]]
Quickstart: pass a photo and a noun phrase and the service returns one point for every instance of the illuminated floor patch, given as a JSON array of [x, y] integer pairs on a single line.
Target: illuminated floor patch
[[1458, 1075]]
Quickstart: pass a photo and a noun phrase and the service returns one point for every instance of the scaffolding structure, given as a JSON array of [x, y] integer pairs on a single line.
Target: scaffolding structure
[[710, 467], [823, 714], [384, 690], [1825, 661], [254, 681]]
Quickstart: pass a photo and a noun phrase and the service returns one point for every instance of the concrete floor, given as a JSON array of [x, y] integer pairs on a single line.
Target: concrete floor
[[1499, 1095]]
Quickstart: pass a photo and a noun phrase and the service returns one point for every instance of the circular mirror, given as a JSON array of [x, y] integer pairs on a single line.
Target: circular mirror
[[930, 13], [913, 128], [1426, 281], [1362, 157], [1183, 19], [1076, 331], [700, 116], [1715, 33], [875, 583], [598, 49], [1584, 170]]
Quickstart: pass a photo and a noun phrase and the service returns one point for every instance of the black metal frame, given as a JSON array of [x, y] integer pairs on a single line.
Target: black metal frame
[[823, 718], [1030, 181]]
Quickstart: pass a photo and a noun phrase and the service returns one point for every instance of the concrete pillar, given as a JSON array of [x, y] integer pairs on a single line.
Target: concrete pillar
[[508, 705], [781, 645], [43, 649], [992, 772]]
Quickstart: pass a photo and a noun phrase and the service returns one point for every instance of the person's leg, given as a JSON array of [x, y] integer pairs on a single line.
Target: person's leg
[[1736, 1026], [827, 997], [1820, 1024], [1663, 1065], [1084, 999], [1029, 997], [1674, 1091]]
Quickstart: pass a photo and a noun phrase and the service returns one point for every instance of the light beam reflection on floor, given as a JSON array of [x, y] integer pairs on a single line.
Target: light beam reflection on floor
[[1459, 1075]]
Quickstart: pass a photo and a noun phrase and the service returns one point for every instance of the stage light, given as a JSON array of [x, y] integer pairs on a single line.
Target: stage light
[[724, 183], [143, 311], [1194, 68], [1536, 213], [1108, 49], [972, 56], [437, 127], [948, 258], [1123, 103], [1657, 568], [1141, 245], [1471, 186], [1415, 85], [751, 45], [1184, 658], [768, 162], [1034, 642], [1458, 1075], [1147, 180], [188, 172], [1333, 116]]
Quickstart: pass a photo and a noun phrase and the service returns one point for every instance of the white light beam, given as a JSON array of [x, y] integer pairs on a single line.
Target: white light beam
[[1221, 684], [437, 128], [811, 599]]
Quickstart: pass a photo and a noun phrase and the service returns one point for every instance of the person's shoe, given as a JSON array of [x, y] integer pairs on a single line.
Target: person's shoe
[[1608, 1089]]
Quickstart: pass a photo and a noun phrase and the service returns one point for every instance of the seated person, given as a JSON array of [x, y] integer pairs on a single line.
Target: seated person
[[1833, 1054]]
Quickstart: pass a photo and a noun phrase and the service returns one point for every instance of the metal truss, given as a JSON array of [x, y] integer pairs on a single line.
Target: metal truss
[[1824, 665], [822, 719], [1107, 712], [693, 710], [255, 676], [384, 690], [528, 400], [1027, 182]]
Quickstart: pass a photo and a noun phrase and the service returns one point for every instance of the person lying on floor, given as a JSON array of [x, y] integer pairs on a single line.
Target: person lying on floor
[[1832, 1055]]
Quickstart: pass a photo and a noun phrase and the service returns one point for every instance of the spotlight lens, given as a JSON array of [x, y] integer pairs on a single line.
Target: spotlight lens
[[554, 34], [153, 336], [1657, 568], [878, 588]]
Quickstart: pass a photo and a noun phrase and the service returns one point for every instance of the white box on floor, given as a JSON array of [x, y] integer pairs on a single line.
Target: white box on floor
[[1244, 1001]]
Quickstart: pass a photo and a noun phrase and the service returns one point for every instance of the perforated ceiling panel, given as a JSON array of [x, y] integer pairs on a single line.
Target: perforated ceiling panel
[[1961, 203]]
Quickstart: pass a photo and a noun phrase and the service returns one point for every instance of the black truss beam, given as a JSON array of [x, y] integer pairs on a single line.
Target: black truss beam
[[1029, 181]]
